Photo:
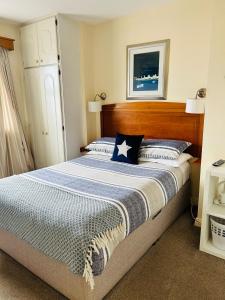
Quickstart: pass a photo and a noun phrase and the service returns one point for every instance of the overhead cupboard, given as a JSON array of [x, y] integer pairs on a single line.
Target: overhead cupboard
[[39, 42], [51, 59]]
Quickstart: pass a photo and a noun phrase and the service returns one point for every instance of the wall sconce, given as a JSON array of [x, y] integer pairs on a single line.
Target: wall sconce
[[196, 105], [96, 105]]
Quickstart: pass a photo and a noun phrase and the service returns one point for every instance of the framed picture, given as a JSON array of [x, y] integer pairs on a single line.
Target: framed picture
[[147, 70]]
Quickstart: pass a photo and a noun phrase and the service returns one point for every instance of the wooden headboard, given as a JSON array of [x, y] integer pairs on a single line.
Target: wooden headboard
[[166, 120]]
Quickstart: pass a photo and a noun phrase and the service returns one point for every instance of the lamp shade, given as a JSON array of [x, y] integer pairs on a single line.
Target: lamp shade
[[94, 106], [195, 106]]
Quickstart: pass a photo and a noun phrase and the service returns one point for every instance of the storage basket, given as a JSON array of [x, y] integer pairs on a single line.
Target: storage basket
[[218, 232]]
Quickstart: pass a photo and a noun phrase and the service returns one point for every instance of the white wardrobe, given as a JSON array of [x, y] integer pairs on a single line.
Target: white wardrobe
[[51, 58]]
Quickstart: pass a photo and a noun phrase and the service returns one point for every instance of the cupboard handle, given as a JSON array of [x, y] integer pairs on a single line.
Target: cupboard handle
[[46, 133], [41, 60], [43, 133], [37, 61]]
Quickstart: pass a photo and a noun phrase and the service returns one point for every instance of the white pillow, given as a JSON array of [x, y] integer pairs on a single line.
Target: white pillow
[[103, 145], [170, 162], [162, 149], [99, 153]]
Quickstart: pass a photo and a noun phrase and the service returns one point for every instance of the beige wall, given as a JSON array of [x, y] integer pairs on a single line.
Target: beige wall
[[12, 31], [87, 66], [187, 23], [197, 59], [214, 136]]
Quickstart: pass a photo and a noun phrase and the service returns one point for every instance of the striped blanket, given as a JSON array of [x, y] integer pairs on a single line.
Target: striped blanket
[[77, 212]]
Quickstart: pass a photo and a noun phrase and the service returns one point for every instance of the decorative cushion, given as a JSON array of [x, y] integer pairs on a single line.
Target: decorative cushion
[[103, 145], [170, 162], [162, 149], [127, 148]]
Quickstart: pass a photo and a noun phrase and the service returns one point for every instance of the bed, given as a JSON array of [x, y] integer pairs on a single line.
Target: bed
[[49, 191]]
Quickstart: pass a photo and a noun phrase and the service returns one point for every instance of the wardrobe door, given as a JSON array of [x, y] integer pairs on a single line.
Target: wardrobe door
[[47, 41], [29, 43], [51, 106], [36, 121]]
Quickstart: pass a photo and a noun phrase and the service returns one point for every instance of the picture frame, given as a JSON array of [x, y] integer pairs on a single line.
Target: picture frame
[[147, 70]]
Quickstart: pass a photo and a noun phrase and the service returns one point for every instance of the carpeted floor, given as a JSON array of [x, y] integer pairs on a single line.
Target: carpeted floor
[[172, 269]]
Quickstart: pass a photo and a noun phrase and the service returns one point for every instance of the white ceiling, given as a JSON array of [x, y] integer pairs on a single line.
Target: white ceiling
[[87, 10]]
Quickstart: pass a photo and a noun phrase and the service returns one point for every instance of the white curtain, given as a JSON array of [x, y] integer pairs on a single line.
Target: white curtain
[[15, 155]]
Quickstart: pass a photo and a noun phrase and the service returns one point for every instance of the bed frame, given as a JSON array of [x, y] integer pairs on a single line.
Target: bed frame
[[156, 120], [127, 253]]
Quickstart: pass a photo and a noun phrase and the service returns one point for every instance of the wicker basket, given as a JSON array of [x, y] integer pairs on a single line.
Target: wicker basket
[[218, 232]]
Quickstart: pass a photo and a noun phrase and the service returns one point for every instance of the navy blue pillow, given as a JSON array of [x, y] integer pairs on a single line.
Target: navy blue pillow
[[127, 148]]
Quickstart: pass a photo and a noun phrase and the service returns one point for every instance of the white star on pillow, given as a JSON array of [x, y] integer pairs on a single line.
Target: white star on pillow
[[123, 148]]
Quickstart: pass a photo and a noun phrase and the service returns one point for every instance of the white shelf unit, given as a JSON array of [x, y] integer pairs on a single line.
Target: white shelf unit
[[213, 177]]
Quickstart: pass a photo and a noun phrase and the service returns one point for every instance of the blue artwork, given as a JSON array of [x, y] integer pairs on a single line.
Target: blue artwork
[[146, 71]]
